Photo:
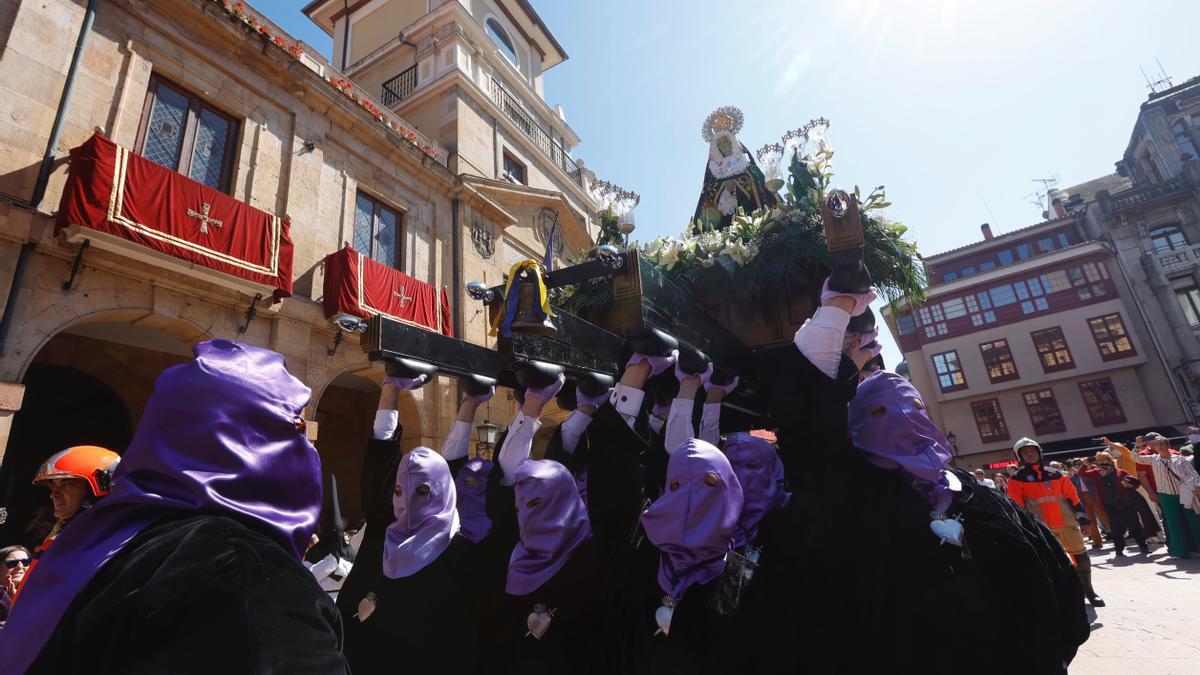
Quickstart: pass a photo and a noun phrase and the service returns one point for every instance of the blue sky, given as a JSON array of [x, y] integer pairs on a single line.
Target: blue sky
[[955, 105]]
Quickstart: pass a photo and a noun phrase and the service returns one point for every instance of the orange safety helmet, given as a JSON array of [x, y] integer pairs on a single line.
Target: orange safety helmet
[[91, 463]]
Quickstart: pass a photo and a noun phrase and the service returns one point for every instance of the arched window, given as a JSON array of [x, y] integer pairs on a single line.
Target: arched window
[[500, 37], [1186, 148]]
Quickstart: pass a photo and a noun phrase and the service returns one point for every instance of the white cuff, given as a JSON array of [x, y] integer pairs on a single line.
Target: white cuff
[[710, 424], [679, 425], [457, 441], [820, 338], [386, 422], [517, 445], [628, 401], [573, 428]]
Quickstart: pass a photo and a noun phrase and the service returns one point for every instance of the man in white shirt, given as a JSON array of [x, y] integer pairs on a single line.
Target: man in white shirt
[[982, 479], [1171, 473]]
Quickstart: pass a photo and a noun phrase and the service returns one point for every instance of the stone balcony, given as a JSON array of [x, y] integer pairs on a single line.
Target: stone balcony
[[1178, 260]]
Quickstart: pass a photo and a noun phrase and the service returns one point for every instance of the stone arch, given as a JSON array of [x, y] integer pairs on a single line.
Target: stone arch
[[344, 409]]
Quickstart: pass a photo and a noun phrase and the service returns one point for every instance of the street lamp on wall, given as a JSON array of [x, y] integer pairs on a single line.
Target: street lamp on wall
[[485, 435]]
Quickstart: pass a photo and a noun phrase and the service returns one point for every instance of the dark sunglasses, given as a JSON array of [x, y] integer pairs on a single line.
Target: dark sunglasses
[[19, 561], [1103, 464]]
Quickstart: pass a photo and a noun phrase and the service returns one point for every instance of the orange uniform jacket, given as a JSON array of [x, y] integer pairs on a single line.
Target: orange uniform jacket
[[1046, 493]]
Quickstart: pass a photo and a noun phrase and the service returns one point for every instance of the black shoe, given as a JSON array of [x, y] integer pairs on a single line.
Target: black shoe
[[1120, 554], [1144, 549], [1096, 600]]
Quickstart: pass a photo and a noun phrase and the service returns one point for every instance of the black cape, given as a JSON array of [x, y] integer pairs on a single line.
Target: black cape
[[202, 594]]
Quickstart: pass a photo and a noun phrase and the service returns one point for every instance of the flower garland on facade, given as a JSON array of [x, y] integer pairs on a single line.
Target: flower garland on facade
[[240, 11]]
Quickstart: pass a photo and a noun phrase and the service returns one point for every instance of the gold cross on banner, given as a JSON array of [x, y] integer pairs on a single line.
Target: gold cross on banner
[[205, 219], [403, 298]]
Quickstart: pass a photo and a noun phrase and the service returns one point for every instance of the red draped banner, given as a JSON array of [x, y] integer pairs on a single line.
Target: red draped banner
[[112, 190], [358, 285]]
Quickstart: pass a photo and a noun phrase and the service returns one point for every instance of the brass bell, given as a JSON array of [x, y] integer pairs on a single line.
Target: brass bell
[[526, 319]]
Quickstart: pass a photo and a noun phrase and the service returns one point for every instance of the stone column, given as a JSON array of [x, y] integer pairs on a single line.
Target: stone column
[[11, 395]]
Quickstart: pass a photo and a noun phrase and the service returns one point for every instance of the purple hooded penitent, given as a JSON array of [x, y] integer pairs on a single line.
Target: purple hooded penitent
[[552, 519], [426, 519], [760, 473], [471, 486], [223, 435], [889, 424], [692, 522]]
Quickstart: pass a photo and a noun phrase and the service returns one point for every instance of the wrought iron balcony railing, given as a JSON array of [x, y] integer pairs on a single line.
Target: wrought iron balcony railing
[[518, 115], [400, 87]]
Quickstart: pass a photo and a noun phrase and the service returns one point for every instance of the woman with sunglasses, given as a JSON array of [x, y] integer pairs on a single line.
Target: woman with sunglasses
[[16, 563]]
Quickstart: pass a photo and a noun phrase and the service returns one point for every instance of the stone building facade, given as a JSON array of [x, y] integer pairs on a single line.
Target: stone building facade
[[1148, 212], [303, 141]]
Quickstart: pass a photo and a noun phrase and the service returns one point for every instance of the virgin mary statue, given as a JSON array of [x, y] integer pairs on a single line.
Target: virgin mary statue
[[731, 179]]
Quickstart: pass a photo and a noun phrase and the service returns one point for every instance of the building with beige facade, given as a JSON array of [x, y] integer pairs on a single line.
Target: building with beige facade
[[1034, 333], [451, 178]]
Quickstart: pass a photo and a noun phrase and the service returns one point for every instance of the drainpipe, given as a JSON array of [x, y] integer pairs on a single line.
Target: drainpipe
[[456, 266], [43, 177], [345, 32]]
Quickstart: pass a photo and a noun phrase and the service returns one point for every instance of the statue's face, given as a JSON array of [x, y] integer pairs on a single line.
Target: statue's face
[[725, 146]]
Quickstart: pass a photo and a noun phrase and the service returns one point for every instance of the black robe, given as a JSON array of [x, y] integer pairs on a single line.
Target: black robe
[[201, 594], [575, 641], [423, 623], [469, 581], [856, 581]]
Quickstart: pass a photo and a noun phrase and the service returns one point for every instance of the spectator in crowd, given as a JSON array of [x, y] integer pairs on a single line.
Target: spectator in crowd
[[1091, 505], [1171, 473], [982, 479], [1146, 507], [1001, 482], [1117, 490], [192, 563], [16, 564]]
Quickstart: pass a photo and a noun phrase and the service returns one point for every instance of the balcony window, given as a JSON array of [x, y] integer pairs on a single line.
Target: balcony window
[[1043, 412], [1052, 349], [500, 37], [1046, 245], [998, 360], [1003, 295], [1006, 257], [987, 266], [377, 230], [989, 420], [183, 133], [950, 276], [949, 371], [1167, 238], [968, 272], [1111, 337], [1189, 302], [513, 167], [905, 325], [1023, 251], [1102, 403]]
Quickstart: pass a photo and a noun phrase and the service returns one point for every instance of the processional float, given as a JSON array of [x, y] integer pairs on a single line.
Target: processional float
[[648, 312]]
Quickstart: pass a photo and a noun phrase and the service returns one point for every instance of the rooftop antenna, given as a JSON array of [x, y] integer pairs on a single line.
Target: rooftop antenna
[[1160, 85], [1041, 198]]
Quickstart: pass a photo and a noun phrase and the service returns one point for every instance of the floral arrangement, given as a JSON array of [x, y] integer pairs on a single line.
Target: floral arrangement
[[767, 254], [239, 10]]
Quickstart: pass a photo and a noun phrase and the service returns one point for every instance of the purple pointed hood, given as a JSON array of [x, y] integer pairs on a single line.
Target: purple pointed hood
[[471, 486], [888, 422], [426, 517], [760, 473], [222, 434], [693, 521], [552, 519]]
